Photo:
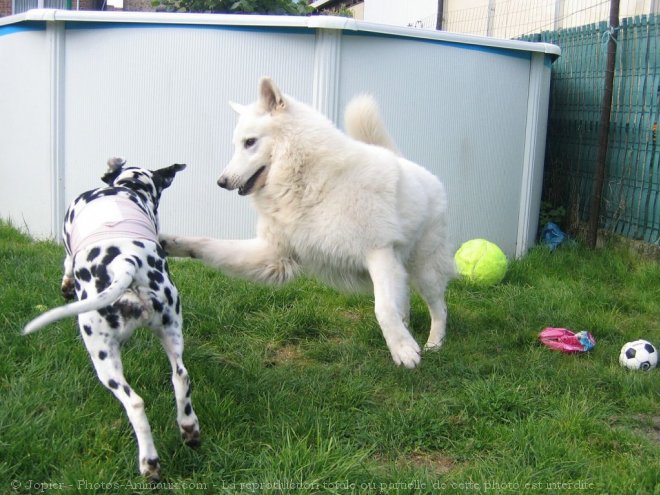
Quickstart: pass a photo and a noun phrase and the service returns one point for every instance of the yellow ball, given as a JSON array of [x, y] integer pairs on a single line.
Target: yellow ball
[[481, 262]]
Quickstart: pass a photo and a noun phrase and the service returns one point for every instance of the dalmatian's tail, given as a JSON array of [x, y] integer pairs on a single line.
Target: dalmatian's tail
[[106, 297]]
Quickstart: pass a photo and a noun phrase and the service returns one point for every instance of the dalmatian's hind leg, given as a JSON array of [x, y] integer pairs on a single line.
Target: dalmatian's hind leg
[[68, 283], [105, 353], [172, 340]]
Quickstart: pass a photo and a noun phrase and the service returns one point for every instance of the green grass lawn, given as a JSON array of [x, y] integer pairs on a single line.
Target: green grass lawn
[[296, 392]]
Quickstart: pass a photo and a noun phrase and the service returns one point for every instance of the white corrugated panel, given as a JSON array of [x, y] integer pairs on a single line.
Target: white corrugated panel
[[26, 184]]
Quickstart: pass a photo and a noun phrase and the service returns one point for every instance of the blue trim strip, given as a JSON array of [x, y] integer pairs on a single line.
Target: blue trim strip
[[22, 27], [465, 46]]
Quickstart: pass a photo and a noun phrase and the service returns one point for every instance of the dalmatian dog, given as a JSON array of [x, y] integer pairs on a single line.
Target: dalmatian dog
[[118, 271]]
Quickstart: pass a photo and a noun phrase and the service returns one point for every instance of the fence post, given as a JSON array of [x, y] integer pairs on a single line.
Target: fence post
[[491, 18], [439, 16], [604, 127]]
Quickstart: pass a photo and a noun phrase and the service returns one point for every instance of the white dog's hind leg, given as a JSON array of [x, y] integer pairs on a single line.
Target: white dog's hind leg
[[253, 259], [438, 310], [431, 280], [391, 302]]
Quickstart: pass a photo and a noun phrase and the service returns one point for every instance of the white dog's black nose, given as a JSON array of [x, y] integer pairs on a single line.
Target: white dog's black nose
[[222, 182]]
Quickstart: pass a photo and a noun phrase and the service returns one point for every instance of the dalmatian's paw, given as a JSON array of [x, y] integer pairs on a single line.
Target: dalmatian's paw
[[68, 289]]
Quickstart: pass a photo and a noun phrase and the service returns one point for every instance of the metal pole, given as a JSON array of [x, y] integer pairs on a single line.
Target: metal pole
[[438, 18], [604, 127]]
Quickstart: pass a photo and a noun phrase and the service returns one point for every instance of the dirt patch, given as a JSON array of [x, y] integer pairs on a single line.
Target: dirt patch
[[351, 315], [647, 425], [285, 354], [650, 427], [437, 463]]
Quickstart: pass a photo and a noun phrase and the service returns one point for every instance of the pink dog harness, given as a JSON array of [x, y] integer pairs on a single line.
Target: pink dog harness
[[110, 217]]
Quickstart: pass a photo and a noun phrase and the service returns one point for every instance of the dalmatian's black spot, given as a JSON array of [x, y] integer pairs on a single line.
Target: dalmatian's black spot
[[110, 254], [138, 261], [166, 320], [93, 254], [155, 279], [151, 261], [153, 462], [84, 275], [179, 370], [103, 280], [139, 244], [83, 295], [102, 355], [113, 321], [109, 192], [188, 409], [113, 384], [168, 295], [178, 305], [158, 306], [87, 329], [127, 390], [135, 200], [189, 391], [108, 310], [129, 309]]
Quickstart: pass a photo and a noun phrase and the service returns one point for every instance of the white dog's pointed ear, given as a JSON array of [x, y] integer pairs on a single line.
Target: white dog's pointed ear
[[270, 97], [237, 107]]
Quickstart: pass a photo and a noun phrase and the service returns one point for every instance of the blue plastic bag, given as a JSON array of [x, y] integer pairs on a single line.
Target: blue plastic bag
[[552, 236]]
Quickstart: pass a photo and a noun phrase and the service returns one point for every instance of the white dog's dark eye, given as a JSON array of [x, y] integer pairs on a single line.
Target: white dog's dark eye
[[249, 142]]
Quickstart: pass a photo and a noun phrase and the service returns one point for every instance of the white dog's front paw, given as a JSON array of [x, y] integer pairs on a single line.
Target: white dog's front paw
[[406, 352], [172, 245]]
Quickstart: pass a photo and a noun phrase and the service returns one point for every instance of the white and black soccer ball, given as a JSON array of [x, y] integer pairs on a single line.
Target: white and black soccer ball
[[639, 355]]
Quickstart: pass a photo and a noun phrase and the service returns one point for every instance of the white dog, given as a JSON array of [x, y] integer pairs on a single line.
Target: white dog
[[349, 210]]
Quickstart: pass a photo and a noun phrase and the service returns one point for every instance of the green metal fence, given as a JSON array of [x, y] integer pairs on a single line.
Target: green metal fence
[[631, 196]]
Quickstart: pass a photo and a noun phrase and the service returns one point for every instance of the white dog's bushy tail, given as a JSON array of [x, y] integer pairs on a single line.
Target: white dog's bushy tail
[[104, 298], [363, 122]]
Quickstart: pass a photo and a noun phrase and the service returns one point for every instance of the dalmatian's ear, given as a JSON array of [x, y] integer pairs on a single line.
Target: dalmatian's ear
[[163, 177], [116, 162], [115, 166]]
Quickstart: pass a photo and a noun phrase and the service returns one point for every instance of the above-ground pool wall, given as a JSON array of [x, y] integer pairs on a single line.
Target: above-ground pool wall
[[27, 181], [155, 89]]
